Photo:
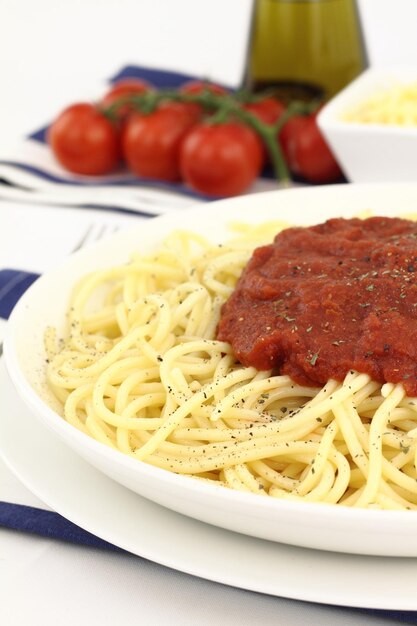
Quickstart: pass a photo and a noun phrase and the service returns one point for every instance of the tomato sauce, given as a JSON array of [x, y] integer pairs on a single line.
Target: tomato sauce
[[323, 300]]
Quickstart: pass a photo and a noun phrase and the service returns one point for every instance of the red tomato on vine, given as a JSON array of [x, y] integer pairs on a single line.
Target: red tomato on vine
[[122, 89], [268, 110], [221, 159], [84, 141], [307, 152], [196, 87], [151, 143]]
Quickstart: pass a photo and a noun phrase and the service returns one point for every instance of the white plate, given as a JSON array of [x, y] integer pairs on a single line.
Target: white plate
[[388, 533], [103, 507]]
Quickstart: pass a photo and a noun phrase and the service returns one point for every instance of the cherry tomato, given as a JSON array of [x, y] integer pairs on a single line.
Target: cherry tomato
[[307, 152], [195, 87], [84, 141], [268, 110], [288, 139], [123, 88], [151, 143], [221, 159], [182, 109], [126, 87]]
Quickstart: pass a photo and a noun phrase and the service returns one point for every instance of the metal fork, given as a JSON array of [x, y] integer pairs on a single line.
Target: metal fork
[[94, 232]]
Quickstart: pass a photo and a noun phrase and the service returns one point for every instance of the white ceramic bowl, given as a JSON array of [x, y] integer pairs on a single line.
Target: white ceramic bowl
[[329, 527], [371, 152]]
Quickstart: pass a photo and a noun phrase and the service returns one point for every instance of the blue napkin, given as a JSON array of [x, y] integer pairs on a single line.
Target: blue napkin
[[13, 283], [50, 524]]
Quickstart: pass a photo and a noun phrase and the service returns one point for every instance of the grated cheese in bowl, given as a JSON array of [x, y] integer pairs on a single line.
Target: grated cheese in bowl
[[394, 106]]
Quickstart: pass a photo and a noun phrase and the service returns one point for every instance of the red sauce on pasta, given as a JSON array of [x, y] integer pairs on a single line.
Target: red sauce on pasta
[[322, 300]]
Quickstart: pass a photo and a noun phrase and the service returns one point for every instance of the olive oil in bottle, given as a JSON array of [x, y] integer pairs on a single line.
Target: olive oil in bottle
[[305, 49]]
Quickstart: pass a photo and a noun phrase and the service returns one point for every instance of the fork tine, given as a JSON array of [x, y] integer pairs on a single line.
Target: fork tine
[[101, 232], [95, 232], [106, 230], [83, 239]]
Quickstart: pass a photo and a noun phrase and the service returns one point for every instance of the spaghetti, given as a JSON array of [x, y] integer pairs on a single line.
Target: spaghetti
[[140, 371]]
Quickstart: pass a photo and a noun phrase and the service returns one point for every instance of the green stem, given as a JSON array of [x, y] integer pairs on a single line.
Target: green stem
[[222, 114], [293, 109], [269, 137]]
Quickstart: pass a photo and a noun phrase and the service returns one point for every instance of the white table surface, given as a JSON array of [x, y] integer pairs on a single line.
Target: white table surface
[[50, 53]]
